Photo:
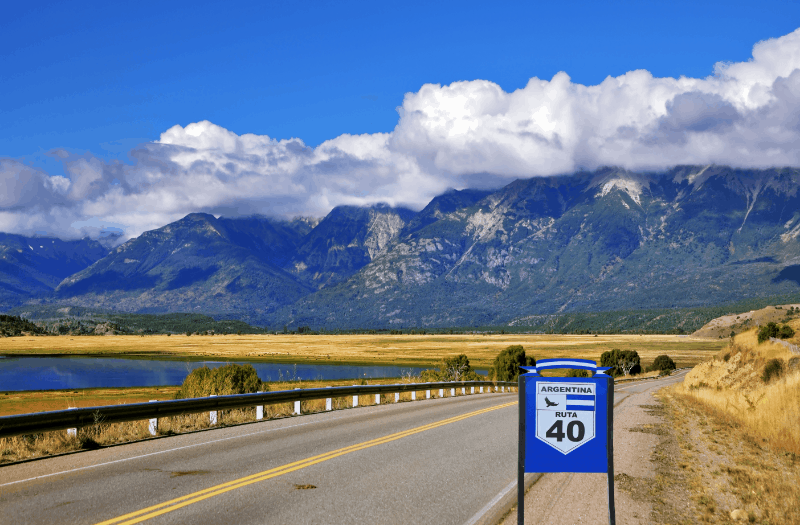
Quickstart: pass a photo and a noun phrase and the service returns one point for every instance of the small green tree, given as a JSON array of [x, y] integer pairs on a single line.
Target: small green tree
[[663, 363], [622, 362], [506, 364], [452, 369]]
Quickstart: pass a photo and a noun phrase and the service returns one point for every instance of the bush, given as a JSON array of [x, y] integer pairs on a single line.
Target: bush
[[452, 369], [620, 360], [663, 363], [578, 373], [506, 364], [772, 330], [773, 369], [225, 380]]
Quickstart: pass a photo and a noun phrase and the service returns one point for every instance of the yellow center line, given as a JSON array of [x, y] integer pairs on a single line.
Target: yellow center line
[[177, 503]]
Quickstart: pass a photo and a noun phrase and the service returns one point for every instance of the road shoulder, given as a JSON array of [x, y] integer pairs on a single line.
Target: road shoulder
[[648, 482]]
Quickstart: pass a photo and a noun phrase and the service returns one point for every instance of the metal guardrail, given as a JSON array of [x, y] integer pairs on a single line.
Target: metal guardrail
[[82, 417]]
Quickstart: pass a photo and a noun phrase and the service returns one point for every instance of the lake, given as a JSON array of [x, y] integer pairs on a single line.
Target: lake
[[60, 373]]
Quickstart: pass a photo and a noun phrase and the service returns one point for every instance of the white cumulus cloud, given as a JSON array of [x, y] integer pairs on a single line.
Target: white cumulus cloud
[[466, 134]]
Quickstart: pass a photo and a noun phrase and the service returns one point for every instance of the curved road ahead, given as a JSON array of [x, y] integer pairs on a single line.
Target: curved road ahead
[[435, 461]]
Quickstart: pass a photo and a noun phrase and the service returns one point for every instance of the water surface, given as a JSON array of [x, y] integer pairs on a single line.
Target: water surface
[[19, 373]]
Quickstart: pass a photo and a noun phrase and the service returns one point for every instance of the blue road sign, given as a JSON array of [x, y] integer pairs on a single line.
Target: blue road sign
[[566, 424], [566, 419]]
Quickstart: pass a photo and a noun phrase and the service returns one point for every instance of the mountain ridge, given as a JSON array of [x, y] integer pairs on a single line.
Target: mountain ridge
[[604, 240]]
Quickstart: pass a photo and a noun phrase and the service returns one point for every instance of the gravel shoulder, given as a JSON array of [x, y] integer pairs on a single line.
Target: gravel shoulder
[[649, 487]]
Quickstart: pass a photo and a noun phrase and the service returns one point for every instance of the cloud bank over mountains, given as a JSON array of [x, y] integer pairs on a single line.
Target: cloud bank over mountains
[[467, 134]]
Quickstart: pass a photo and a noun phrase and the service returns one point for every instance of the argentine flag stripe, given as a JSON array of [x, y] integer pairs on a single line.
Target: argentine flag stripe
[[575, 397], [581, 407], [585, 402]]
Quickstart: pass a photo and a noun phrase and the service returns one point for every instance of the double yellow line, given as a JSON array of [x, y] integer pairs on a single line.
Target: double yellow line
[[175, 504]]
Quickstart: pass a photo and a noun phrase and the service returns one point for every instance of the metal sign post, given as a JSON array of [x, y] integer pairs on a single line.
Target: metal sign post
[[565, 424]]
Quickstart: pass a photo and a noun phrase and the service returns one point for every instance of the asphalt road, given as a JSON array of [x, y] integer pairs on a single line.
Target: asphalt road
[[433, 461]]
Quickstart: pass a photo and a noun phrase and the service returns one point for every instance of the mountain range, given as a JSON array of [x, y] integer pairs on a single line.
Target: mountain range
[[604, 240]]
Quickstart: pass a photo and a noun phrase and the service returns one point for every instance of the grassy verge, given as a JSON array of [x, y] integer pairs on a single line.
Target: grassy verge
[[101, 434], [401, 350], [739, 435]]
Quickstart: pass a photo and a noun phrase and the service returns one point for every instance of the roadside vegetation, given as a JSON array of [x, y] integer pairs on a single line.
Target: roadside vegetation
[[201, 382], [738, 417]]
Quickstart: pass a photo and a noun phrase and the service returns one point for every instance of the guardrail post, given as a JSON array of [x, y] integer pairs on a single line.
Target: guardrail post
[[463, 391], [355, 401], [427, 394], [397, 397], [153, 424], [297, 406], [72, 431], [441, 392], [502, 389], [212, 416], [481, 390], [452, 392], [259, 410], [414, 395], [377, 399], [472, 390], [328, 402]]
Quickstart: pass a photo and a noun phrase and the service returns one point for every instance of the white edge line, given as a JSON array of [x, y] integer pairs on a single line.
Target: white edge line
[[474, 519], [162, 452]]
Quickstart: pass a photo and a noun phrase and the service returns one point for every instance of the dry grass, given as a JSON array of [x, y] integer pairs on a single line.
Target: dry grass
[[47, 400], [741, 436], [402, 350], [732, 384], [726, 468], [102, 434]]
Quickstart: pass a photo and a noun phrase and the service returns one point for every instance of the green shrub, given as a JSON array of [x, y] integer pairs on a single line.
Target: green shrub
[[225, 380], [772, 330], [452, 369], [578, 373], [773, 369], [620, 360], [506, 364], [663, 363]]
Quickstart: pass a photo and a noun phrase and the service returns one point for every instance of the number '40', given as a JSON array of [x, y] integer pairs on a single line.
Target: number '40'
[[575, 431]]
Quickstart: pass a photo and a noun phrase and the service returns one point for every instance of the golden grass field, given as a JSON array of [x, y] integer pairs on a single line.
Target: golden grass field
[[402, 350]]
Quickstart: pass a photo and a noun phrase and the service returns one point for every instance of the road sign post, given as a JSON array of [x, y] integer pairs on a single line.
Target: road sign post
[[565, 424]]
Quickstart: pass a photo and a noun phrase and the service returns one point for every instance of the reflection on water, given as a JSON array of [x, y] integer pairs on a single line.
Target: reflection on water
[[56, 373]]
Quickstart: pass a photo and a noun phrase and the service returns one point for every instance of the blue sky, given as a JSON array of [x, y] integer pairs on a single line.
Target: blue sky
[[103, 76], [93, 80]]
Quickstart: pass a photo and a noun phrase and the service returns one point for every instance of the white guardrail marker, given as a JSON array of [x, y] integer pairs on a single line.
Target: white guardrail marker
[[260, 410], [152, 425], [328, 402], [212, 416], [72, 431]]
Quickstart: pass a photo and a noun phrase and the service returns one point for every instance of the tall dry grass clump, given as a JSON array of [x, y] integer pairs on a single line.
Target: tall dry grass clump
[[756, 385]]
